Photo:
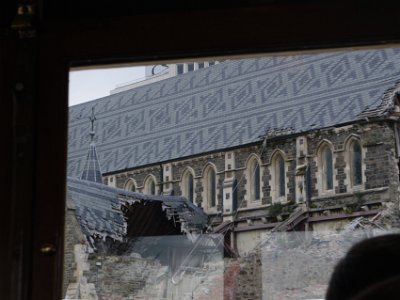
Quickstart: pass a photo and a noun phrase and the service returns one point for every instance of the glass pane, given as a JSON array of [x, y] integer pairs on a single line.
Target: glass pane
[[190, 67], [179, 68], [190, 188], [328, 168], [281, 176], [152, 188], [256, 182], [357, 164], [213, 188]]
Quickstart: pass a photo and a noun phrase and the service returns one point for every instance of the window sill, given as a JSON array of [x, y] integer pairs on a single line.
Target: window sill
[[347, 194], [327, 193], [254, 207], [211, 210]]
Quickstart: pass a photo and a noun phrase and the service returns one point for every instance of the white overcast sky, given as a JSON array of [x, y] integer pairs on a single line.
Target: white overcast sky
[[93, 84]]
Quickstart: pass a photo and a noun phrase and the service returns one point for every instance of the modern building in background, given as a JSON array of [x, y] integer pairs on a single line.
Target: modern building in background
[[159, 72]]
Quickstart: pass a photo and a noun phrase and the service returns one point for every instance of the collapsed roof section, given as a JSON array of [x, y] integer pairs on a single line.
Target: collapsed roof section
[[232, 104], [185, 215], [107, 212]]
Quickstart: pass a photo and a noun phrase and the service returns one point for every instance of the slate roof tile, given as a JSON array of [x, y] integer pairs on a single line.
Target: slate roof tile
[[231, 104], [98, 208]]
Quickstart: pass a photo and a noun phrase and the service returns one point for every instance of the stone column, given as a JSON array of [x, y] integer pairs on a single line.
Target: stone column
[[229, 186]]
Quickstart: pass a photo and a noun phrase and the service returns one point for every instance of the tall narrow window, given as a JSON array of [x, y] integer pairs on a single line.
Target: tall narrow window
[[150, 186], [280, 176], [179, 68], [327, 167], [255, 181], [189, 187], [130, 185], [212, 188], [356, 163]]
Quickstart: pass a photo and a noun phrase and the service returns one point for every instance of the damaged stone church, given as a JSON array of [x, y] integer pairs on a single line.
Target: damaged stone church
[[254, 140], [124, 244], [239, 148]]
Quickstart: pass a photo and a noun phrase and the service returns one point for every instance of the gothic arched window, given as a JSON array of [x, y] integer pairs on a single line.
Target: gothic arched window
[[327, 168], [280, 176], [150, 186], [211, 187], [188, 185], [254, 179], [130, 185], [356, 163]]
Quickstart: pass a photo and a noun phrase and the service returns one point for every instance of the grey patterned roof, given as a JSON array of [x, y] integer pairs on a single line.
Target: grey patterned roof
[[231, 104], [99, 213]]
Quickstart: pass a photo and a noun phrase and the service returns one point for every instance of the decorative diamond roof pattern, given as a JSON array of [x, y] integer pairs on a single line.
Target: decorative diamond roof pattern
[[231, 104]]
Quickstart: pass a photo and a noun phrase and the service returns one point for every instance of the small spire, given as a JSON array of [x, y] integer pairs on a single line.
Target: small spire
[[92, 171]]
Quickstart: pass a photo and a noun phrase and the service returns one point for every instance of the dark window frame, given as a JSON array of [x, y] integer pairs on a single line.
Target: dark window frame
[[75, 35], [356, 162]]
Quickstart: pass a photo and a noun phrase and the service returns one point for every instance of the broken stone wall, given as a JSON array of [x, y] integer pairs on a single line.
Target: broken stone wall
[[72, 236]]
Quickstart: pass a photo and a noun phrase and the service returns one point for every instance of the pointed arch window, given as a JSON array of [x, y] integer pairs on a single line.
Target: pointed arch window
[[278, 181], [212, 187], [150, 186], [280, 176], [256, 182], [130, 186], [327, 168], [188, 185], [254, 179], [356, 163]]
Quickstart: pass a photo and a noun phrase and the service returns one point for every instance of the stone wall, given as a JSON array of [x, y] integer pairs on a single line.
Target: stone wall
[[140, 175], [377, 140], [72, 237], [198, 165], [286, 265]]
